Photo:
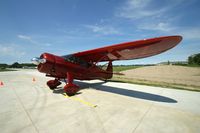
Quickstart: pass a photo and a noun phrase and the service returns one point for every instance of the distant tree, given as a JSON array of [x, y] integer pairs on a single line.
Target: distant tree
[[190, 60], [3, 66], [168, 62], [194, 59], [16, 65], [28, 65], [197, 59]]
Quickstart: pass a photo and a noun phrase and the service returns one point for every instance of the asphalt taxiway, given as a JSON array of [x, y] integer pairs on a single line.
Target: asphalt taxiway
[[27, 105]]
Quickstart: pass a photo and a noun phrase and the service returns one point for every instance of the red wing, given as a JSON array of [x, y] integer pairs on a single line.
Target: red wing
[[130, 50]]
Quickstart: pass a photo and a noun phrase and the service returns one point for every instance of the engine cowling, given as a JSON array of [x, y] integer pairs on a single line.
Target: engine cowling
[[49, 65]]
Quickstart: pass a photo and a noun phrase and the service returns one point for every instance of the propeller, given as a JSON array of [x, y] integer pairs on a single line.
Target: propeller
[[37, 60]]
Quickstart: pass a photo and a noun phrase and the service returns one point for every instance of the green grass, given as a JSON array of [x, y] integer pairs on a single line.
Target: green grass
[[187, 65], [5, 70], [123, 68]]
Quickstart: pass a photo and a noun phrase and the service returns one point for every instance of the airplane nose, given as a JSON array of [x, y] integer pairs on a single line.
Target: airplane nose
[[37, 60]]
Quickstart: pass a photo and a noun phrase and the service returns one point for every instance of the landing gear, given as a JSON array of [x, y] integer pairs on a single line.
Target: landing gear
[[53, 83], [70, 88], [105, 80]]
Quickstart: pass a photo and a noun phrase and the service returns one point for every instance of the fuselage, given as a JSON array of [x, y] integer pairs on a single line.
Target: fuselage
[[59, 66]]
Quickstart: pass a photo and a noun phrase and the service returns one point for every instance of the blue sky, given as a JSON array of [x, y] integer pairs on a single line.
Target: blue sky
[[31, 27]]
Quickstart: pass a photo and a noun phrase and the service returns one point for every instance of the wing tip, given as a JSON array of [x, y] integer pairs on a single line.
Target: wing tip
[[176, 37], [180, 38]]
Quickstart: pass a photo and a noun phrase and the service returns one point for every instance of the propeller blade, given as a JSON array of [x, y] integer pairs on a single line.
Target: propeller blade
[[37, 60]]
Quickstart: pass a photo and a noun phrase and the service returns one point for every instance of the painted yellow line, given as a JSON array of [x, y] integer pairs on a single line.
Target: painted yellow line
[[77, 99], [80, 100]]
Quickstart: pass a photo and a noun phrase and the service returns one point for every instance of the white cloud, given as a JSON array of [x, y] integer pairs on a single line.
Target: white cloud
[[136, 9], [138, 3], [158, 17], [48, 44], [33, 41], [161, 26], [139, 9], [10, 50], [105, 30], [27, 38], [190, 33], [24, 37]]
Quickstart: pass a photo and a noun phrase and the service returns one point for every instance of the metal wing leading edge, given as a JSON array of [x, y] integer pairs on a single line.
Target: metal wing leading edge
[[130, 50]]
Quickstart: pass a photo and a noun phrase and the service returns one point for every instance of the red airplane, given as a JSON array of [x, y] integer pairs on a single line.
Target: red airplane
[[83, 65]]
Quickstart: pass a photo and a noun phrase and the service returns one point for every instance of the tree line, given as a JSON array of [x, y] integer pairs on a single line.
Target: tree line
[[17, 65], [194, 59]]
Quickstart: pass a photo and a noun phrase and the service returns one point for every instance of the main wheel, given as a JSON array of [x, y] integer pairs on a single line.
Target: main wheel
[[52, 84], [71, 90]]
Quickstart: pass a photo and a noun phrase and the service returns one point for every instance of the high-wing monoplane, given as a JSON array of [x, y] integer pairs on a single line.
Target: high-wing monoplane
[[83, 65]]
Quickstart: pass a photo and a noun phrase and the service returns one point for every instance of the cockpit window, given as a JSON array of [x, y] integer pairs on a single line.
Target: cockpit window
[[76, 60]]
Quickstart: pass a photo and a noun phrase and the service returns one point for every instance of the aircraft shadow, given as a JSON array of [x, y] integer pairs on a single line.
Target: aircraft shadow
[[121, 91], [126, 92], [60, 90]]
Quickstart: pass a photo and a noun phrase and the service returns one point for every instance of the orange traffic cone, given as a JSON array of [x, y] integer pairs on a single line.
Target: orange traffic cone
[[1, 83], [34, 80]]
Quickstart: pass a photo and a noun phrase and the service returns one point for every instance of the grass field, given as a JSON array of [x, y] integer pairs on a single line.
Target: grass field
[[6, 69], [188, 65], [154, 83], [169, 76], [123, 68]]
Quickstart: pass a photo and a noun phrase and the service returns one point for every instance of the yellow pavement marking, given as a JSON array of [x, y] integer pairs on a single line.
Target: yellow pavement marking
[[80, 100]]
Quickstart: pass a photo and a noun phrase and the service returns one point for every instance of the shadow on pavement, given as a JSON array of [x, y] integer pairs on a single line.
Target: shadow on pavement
[[122, 91], [60, 90]]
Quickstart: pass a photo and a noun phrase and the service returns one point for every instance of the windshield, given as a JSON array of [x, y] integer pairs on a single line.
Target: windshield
[[76, 60]]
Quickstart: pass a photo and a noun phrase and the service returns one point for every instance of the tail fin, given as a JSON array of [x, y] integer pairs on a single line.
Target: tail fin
[[110, 70], [109, 67]]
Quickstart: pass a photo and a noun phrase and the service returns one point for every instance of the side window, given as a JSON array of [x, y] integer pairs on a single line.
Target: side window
[[76, 60]]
